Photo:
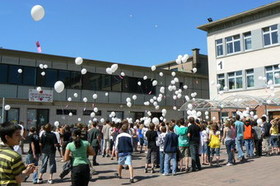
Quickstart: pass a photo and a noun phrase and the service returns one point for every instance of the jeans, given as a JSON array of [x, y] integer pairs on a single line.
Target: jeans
[[258, 147], [80, 175], [249, 144], [195, 156], [239, 144], [170, 157], [161, 159], [230, 148], [31, 159], [52, 163], [95, 148], [266, 144]]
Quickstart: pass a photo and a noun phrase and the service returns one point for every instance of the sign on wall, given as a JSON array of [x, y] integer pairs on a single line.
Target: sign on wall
[[40, 96], [220, 65]]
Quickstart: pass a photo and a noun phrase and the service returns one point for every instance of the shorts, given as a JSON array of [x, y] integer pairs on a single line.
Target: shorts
[[204, 148], [184, 152], [274, 141], [125, 160], [215, 151], [141, 140]]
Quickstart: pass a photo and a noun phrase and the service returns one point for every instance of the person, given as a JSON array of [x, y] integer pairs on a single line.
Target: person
[[19, 148], [274, 132], [124, 149], [183, 140], [140, 136], [194, 139], [266, 135], [239, 126], [204, 138], [80, 149], [57, 134], [228, 140], [257, 139], [215, 143], [151, 157], [12, 169], [66, 138], [48, 144], [94, 138], [160, 142], [106, 139], [249, 138], [170, 150], [34, 151]]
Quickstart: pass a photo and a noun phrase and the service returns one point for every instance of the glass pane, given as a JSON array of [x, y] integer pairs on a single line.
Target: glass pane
[[14, 77], [248, 44], [220, 50], [274, 27], [43, 117], [106, 82], [50, 77], [229, 39], [269, 76], [147, 87], [237, 46], [274, 36], [91, 81], [222, 83], [219, 41], [65, 77], [13, 115], [250, 71], [266, 29], [250, 81], [236, 37], [231, 74], [239, 82], [277, 80], [3, 73], [239, 73], [117, 83], [269, 68], [221, 75], [231, 83], [29, 76], [31, 118], [247, 34], [229, 48], [266, 39], [76, 80]]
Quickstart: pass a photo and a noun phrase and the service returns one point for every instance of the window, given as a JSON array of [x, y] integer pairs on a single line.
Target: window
[[221, 81], [235, 80], [219, 47], [119, 114], [76, 81], [137, 115], [13, 76], [88, 112], [270, 73], [270, 35], [233, 44], [91, 81], [49, 79], [117, 83], [11, 115], [3, 73], [250, 78], [65, 111], [247, 41], [105, 82], [65, 77], [29, 76]]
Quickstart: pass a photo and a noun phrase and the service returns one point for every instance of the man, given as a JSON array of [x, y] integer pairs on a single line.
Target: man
[[106, 139], [194, 140], [124, 149], [94, 137], [249, 138], [266, 135], [239, 127], [151, 157], [170, 149], [12, 169]]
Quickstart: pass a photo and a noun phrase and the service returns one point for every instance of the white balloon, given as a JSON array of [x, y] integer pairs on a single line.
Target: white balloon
[[37, 12], [109, 71], [92, 114], [7, 107], [161, 74], [159, 99], [154, 83], [113, 114], [139, 83], [213, 118], [78, 60], [39, 89], [174, 108], [198, 114], [153, 68], [145, 77], [19, 70], [128, 99], [179, 96], [218, 86], [106, 93], [95, 109], [70, 114], [164, 111], [276, 75], [176, 79], [43, 73], [268, 101], [260, 77], [259, 121], [56, 123], [155, 103], [79, 119], [128, 104], [173, 82], [206, 113], [75, 95], [94, 96], [84, 71], [155, 121], [114, 67], [225, 88], [173, 74], [45, 66], [134, 97], [59, 86], [122, 74], [206, 117], [69, 99], [190, 106], [264, 78], [41, 66], [85, 99], [152, 100], [174, 97], [102, 120], [187, 98], [194, 70], [185, 87], [255, 117], [185, 58], [147, 122]]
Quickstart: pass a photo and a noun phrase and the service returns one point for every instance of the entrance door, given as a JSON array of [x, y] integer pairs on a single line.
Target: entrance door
[[37, 117]]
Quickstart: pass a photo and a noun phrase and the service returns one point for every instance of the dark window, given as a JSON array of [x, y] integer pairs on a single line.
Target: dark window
[[29, 76], [13, 76], [88, 112], [131, 85], [64, 76], [3, 73], [49, 79], [76, 80], [65, 112], [117, 83], [105, 82], [91, 81], [147, 87]]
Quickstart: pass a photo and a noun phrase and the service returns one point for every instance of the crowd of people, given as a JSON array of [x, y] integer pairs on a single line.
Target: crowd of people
[[173, 146]]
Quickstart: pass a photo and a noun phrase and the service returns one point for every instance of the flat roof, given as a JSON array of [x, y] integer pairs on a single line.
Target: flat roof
[[210, 25]]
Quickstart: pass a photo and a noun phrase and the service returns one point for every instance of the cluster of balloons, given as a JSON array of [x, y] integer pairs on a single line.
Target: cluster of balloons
[[112, 69], [182, 59]]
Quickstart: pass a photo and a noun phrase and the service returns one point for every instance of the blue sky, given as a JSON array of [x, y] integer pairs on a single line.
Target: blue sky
[[138, 32]]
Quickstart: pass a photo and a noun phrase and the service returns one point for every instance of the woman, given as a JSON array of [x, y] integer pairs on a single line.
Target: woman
[[79, 149], [215, 143], [229, 142]]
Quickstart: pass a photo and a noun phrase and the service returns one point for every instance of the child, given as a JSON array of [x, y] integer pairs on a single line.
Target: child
[[160, 143], [204, 144], [215, 143], [16, 171]]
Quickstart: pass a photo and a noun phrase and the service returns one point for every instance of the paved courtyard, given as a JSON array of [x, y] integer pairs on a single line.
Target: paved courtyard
[[262, 171]]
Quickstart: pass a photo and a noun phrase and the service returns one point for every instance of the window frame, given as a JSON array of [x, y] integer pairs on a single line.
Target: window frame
[[274, 69], [234, 77], [233, 42], [248, 74], [219, 45], [270, 32], [246, 38]]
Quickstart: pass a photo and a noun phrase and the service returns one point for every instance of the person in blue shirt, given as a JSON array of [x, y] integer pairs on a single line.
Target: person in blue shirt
[[239, 127]]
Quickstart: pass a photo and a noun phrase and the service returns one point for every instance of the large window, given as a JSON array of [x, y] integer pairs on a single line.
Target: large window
[[65, 77], [235, 80], [13, 76], [270, 73], [221, 81], [247, 40], [270, 35], [233, 44], [91, 81], [250, 78], [3, 73], [29, 76], [66, 111], [76, 80], [219, 47], [49, 79]]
